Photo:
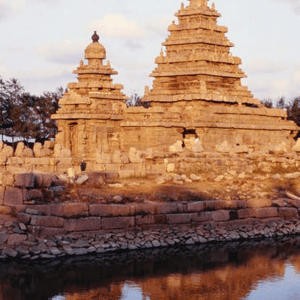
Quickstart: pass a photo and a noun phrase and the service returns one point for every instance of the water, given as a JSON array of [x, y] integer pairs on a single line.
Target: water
[[267, 270]]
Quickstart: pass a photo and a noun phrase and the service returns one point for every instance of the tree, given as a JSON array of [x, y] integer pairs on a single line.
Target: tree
[[45, 106], [267, 103], [10, 92], [136, 100], [27, 116], [281, 103], [293, 110]]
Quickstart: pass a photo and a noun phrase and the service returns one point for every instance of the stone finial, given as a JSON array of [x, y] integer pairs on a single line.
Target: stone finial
[[198, 2], [95, 37], [161, 52]]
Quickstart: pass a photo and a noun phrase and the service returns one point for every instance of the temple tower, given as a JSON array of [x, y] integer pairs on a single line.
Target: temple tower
[[197, 93], [197, 63], [90, 110]]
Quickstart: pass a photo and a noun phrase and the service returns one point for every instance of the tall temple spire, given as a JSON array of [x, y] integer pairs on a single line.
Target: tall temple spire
[[198, 64], [198, 2]]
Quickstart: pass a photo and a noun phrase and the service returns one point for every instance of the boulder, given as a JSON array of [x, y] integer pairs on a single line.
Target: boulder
[[134, 156], [223, 147], [176, 147]]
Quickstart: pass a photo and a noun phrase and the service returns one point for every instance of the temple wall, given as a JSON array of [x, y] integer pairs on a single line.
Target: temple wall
[[185, 157]]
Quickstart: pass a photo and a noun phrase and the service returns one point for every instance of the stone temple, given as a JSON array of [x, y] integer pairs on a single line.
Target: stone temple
[[197, 104]]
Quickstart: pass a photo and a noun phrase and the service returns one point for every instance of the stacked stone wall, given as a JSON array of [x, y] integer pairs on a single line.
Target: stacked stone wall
[[225, 161], [47, 231], [55, 219]]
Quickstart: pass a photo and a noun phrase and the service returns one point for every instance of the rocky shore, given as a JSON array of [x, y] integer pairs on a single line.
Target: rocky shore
[[17, 243]]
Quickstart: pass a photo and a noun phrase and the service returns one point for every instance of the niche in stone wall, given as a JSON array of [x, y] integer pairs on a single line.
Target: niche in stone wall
[[189, 137], [73, 137], [189, 141]]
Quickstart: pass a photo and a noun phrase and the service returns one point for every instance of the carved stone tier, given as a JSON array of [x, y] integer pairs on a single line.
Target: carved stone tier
[[197, 64], [89, 110]]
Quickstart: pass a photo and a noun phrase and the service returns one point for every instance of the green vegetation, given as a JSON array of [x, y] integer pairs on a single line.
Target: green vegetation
[[27, 116], [292, 107]]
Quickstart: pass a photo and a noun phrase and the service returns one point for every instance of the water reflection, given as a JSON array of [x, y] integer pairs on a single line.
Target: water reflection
[[258, 270]]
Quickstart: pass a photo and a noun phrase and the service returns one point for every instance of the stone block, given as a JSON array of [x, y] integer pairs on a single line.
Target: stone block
[[3, 238], [33, 194], [16, 161], [263, 202], [7, 151], [47, 221], [214, 204], [49, 145], [220, 215], [108, 210], [171, 168], [2, 191], [293, 202], [83, 224], [178, 218], [25, 180], [46, 231], [64, 161], [236, 204], [266, 212], [40, 209], [13, 196], [8, 179], [288, 213], [134, 156], [202, 216], [195, 206], [159, 219], [5, 210], [16, 239], [117, 222], [82, 179], [27, 152], [24, 218], [41, 161], [126, 174], [43, 180], [144, 220], [166, 208], [70, 210], [246, 213], [143, 208]]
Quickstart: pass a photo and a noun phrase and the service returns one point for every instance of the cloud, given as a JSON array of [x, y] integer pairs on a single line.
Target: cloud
[[5, 10], [65, 52], [116, 25], [264, 66], [159, 25], [18, 4], [133, 45], [52, 2], [295, 4], [269, 87], [38, 81], [7, 7]]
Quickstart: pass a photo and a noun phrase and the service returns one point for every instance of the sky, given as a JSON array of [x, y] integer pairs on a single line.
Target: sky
[[42, 41]]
